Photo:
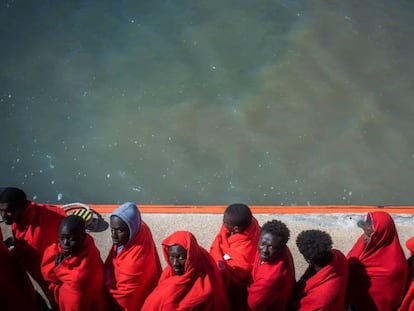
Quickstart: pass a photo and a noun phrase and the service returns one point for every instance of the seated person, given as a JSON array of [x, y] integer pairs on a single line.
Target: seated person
[[323, 285], [16, 290], [34, 227], [132, 268], [408, 301], [377, 266], [74, 269], [410, 246], [190, 281], [273, 270], [234, 250]]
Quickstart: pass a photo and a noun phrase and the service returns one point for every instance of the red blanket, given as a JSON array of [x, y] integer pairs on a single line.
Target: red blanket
[[235, 255], [377, 271], [38, 230], [272, 283], [408, 301], [200, 288], [410, 246], [77, 283], [131, 275], [326, 290], [16, 290]]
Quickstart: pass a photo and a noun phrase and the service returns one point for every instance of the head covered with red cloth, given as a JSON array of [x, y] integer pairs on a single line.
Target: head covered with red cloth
[[199, 287], [377, 266]]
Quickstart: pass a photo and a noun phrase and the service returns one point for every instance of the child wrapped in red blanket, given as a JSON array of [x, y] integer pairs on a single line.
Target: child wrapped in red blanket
[[34, 226], [377, 266], [191, 280], [273, 275], [234, 250], [74, 269], [323, 285], [133, 267]]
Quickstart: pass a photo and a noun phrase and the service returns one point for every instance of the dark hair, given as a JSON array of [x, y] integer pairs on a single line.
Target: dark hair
[[278, 229], [315, 246], [74, 222], [240, 214], [13, 196]]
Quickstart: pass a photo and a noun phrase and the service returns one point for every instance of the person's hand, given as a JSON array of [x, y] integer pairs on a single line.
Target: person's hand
[[59, 258]]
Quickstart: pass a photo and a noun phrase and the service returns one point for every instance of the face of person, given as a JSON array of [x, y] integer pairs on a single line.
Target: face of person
[[70, 239], [269, 247], [11, 213], [368, 229], [119, 231], [177, 255]]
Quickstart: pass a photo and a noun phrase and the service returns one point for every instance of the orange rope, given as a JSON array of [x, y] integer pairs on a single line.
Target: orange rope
[[259, 209]]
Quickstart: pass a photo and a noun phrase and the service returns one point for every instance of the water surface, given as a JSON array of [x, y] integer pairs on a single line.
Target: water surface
[[208, 102]]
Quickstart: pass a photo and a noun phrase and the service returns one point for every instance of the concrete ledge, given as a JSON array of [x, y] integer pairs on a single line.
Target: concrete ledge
[[341, 226], [205, 221]]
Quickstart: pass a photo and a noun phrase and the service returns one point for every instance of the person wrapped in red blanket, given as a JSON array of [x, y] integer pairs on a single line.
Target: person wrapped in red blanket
[[377, 266], [234, 250], [16, 290], [323, 285], [273, 275], [408, 301], [34, 227], [74, 269], [190, 281], [133, 267]]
